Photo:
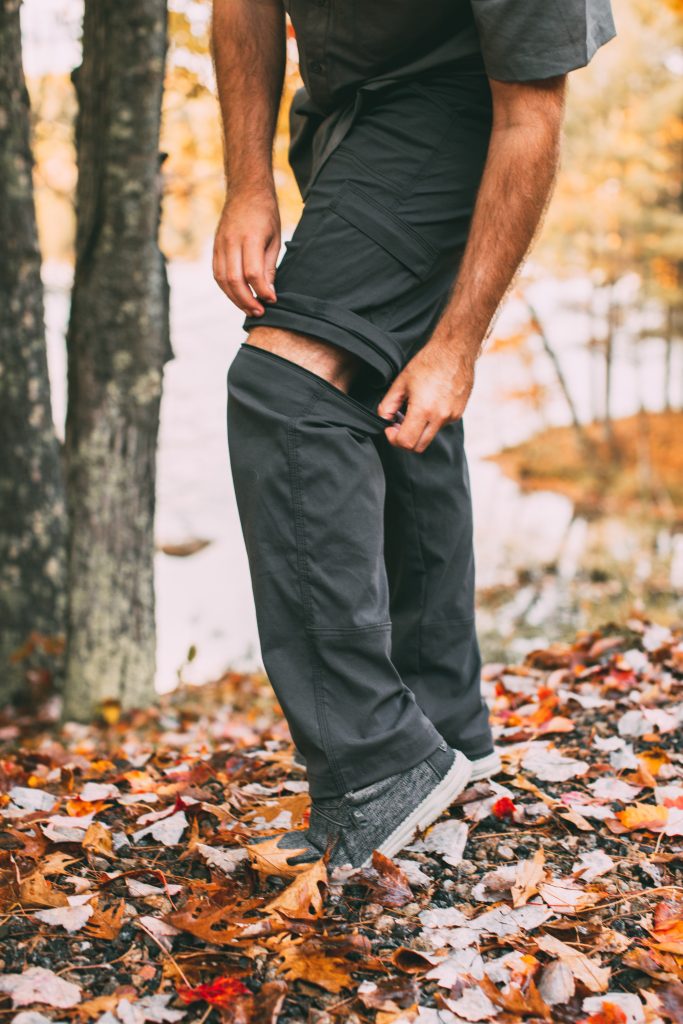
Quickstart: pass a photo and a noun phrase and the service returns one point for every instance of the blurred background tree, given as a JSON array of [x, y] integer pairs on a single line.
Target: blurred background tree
[[117, 344], [32, 513]]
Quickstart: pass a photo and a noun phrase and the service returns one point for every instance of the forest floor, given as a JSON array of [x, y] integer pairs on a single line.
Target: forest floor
[[553, 893], [641, 472]]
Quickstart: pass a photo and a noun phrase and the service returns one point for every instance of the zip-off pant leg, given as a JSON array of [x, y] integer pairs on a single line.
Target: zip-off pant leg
[[430, 566], [310, 491]]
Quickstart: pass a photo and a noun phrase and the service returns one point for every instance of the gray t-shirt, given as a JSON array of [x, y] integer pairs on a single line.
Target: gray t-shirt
[[350, 46], [343, 43]]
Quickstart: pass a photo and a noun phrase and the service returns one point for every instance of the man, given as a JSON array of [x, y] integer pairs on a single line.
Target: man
[[425, 144]]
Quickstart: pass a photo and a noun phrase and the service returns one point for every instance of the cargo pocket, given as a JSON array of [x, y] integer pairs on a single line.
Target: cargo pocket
[[382, 226], [357, 254]]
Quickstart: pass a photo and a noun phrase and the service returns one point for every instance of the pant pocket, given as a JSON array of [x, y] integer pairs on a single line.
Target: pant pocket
[[358, 255]]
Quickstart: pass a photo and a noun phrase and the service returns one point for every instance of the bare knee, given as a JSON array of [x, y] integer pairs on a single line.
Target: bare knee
[[323, 358]]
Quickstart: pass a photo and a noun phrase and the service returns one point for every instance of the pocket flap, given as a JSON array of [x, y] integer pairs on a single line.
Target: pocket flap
[[385, 228]]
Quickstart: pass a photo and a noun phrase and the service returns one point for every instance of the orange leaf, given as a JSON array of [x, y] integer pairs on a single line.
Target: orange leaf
[[269, 859], [643, 816], [81, 808], [303, 898], [98, 839], [308, 961]]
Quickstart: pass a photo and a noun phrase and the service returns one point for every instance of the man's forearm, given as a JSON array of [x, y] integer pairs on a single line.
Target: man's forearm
[[517, 182], [248, 44]]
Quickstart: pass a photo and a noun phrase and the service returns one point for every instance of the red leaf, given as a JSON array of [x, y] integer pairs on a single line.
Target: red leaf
[[219, 992], [504, 808]]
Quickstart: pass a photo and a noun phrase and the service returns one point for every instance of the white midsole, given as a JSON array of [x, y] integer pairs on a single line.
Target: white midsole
[[433, 805], [485, 767]]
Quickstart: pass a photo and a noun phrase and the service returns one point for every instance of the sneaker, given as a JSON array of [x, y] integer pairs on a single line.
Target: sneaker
[[385, 815], [485, 767]]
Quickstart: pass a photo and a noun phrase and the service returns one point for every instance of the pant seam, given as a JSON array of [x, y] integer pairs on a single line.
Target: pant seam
[[374, 627], [305, 590], [423, 573]]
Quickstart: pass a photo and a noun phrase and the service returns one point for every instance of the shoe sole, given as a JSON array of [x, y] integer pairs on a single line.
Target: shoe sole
[[485, 767], [434, 804]]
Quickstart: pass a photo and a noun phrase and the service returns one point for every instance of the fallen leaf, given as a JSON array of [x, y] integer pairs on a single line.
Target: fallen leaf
[[167, 831], [556, 984], [269, 859], [71, 919], [648, 816], [592, 865], [98, 839], [446, 838], [614, 1008], [39, 985], [528, 875], [219, 992], [549, 765], [226, 860], [303, 898], [387, 882], [566, 898], [308, 961], [585, 969], [388, 994]]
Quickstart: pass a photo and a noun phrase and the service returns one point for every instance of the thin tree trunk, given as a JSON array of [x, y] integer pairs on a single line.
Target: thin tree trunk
[[118, 342], [668, 359], [32, 514], [608, 424], [582, 437]]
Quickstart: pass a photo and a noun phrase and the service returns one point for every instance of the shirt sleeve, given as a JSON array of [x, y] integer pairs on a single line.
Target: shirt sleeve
[[522, 40]]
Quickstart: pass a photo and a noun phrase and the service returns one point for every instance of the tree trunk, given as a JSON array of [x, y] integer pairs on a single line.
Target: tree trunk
[[32, 514], [582, 437], [118, 342]]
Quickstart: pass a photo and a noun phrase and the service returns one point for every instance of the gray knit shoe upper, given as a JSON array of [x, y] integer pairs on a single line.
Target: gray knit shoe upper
[[385, 815]]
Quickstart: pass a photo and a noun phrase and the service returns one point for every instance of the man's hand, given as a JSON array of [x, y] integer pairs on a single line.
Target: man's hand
[[246, 248], [436, 384], [516, 185]]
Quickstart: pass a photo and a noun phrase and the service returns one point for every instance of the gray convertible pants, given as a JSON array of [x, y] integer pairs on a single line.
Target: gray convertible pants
[[360, 553]]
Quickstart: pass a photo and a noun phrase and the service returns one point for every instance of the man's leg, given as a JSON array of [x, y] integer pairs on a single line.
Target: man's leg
[[310, 492], [430, 565]]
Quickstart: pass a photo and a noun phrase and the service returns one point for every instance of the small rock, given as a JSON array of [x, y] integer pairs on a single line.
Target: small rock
[[506, 852], [467, 867]]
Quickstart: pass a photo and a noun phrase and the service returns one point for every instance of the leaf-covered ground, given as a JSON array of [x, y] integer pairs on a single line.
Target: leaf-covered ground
[[553, 893]]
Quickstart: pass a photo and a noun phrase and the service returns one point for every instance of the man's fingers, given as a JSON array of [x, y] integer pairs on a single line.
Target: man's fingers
[[428, 435], [236, 286], [272, 253], [410, 431], [255, 271], [393, 400]]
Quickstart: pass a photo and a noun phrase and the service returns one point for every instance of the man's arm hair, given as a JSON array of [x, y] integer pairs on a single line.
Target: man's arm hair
[[248, 47], [516, 186], [519, 173]]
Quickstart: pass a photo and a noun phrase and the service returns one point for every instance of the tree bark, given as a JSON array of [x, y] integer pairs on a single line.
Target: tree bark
[[118, 342], [32, 513]]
